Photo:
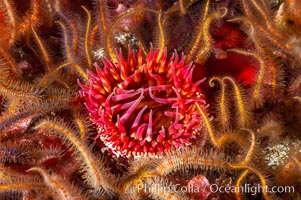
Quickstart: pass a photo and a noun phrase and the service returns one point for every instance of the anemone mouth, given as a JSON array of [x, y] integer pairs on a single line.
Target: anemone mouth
[[144, 106]]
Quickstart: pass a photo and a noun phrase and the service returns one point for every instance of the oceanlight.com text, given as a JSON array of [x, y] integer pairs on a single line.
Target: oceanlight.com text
[[251, 189]]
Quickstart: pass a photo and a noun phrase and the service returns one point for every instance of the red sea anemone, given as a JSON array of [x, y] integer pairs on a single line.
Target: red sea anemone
[[144, 105]]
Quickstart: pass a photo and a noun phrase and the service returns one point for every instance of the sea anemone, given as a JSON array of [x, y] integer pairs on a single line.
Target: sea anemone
[[144, 105]]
